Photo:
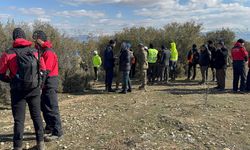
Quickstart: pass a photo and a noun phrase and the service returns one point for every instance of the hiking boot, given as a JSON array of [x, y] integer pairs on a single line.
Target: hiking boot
[[129, 90], [18, 148], [52, 138], [40, 145], [111, 90], [123, 92]]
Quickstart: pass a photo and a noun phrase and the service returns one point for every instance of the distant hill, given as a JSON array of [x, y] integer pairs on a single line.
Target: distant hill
[[245, 36]]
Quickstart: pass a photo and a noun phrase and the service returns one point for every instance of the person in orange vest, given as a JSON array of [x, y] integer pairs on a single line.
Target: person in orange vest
[[193, 60]]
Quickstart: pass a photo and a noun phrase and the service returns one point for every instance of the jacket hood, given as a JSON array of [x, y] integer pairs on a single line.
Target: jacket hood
[[20, 42], [173, 46], [47, 44], [237, 44]]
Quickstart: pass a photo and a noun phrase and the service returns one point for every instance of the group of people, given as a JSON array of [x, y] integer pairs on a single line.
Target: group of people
[[153, 65], [215, 56], [160, 65], [33, 77], [212, 56]]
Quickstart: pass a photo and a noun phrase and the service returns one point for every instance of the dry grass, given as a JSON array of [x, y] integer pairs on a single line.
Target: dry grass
[[165, 117]]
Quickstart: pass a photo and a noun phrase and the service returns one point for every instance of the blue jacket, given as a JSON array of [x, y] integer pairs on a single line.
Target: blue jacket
[[108, 58]]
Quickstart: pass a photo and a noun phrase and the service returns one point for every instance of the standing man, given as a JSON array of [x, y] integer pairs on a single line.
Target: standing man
[[125, 67], [143, 65], [173, 60], [97, 62], [166, 54], [204, 60], [212, 49], [152, 67], [19, 67], [193, 60], [49, 99], [239, 56], [109, 65], [221, 56]]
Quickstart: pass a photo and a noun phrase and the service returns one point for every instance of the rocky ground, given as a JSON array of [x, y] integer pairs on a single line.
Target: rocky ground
[[179, 116]]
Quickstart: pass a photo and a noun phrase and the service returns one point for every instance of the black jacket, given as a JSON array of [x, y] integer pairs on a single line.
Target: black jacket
[[125, 60], [212, 49], [205, 58], [221, 56]]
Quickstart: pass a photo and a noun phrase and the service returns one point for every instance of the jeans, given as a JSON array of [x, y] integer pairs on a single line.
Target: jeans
[[204, 70], [126, 83]]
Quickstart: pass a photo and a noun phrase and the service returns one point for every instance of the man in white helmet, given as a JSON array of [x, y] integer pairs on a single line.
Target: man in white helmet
[[97, 62]]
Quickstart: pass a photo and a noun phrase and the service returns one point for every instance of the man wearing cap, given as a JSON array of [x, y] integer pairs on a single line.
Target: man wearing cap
[[11, 73], [109, 65], [97, 62], [220, 65], [143, 65], [240, 57], [49, 98]]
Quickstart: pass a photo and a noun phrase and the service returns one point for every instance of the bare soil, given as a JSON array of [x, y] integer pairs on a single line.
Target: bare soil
[[180, 116]]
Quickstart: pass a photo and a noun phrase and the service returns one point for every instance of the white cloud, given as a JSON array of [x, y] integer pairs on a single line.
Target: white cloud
[[81, 13], [44, 19], [32, 11], [4, 16]]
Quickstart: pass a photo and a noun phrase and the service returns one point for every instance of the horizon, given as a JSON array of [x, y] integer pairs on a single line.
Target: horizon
[[106, 17]]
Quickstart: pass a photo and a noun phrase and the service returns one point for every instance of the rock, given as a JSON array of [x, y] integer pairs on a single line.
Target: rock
[[226, 149], [65, 147], [2, 143]]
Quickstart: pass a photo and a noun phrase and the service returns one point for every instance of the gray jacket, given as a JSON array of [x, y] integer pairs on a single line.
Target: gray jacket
[[165, 57]]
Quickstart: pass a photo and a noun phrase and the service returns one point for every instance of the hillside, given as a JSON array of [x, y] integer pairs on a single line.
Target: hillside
[[177, 116]]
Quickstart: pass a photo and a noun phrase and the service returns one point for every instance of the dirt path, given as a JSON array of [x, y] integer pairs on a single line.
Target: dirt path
[[176, 116]]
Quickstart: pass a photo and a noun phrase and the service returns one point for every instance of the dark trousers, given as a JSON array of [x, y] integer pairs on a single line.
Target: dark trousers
[[221, 77], [173, 66], [152, 71], [239, 73], [109, 78], [96, 73], [50, 109], [191, 68], [126, 83], [132, 71], [204, 70], [248, 81], [18, 104]]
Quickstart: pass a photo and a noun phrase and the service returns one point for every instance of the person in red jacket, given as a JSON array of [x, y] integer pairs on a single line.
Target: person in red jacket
[[49, 99], [239, 56], [12, 72]]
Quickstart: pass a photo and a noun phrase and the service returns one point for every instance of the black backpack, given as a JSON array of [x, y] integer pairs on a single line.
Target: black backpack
[[28, 73]]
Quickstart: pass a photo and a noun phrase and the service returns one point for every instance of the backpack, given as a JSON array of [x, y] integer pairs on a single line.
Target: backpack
[[28, 73]]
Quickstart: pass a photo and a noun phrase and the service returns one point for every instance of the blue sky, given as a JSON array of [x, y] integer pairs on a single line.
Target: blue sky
[[77, 17]]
